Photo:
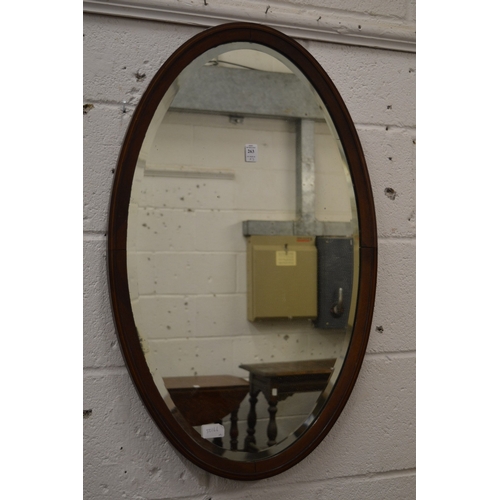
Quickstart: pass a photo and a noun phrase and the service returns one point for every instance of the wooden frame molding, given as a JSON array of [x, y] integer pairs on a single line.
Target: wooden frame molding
[[181, 435]]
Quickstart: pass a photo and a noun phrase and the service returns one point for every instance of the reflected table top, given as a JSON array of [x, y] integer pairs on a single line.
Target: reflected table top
[[206, 399], [282, 379], [279, 380]]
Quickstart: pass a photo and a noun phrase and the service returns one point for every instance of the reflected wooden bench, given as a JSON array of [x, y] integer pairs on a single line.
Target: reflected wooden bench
[[208, 399], [277, 381]]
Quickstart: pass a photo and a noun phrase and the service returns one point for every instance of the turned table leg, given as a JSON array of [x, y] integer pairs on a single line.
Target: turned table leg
[[272, 428], [251, 421], [234, 430]]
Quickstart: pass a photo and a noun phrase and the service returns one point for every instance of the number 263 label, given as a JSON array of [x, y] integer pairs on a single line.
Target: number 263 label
[[251, 152]]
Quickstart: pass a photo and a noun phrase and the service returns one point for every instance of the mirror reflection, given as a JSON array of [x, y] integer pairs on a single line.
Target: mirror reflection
[[242, 249]]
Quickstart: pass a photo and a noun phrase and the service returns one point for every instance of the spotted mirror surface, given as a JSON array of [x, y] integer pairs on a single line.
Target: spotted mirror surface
[[241, 274]]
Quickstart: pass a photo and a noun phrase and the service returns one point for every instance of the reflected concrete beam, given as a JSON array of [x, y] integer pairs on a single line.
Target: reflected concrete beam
[[245, 92], [285, 228]]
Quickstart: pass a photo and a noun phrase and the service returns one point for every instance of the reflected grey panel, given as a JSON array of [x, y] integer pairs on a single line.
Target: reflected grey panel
[[335, 272], [305, 179]]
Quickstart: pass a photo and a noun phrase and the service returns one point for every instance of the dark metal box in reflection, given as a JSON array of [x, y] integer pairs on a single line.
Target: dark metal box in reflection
[[335, 272]]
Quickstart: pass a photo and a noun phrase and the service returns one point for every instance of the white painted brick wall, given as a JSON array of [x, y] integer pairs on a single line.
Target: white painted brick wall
[[370, 452]]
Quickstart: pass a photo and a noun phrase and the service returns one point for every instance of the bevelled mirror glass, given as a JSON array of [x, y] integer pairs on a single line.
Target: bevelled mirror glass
[[242, 251]]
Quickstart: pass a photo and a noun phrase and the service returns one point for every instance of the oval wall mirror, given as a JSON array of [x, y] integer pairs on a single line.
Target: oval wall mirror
[[242, 251]]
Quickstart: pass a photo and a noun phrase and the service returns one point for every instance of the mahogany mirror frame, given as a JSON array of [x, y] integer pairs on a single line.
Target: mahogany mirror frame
[[178, 433]]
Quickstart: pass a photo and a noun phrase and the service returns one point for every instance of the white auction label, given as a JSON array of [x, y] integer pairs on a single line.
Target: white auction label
[[251, 152], [210, 431]]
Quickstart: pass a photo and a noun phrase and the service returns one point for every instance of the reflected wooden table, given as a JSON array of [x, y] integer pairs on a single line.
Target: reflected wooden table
[[208, 399], [277, 381]]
